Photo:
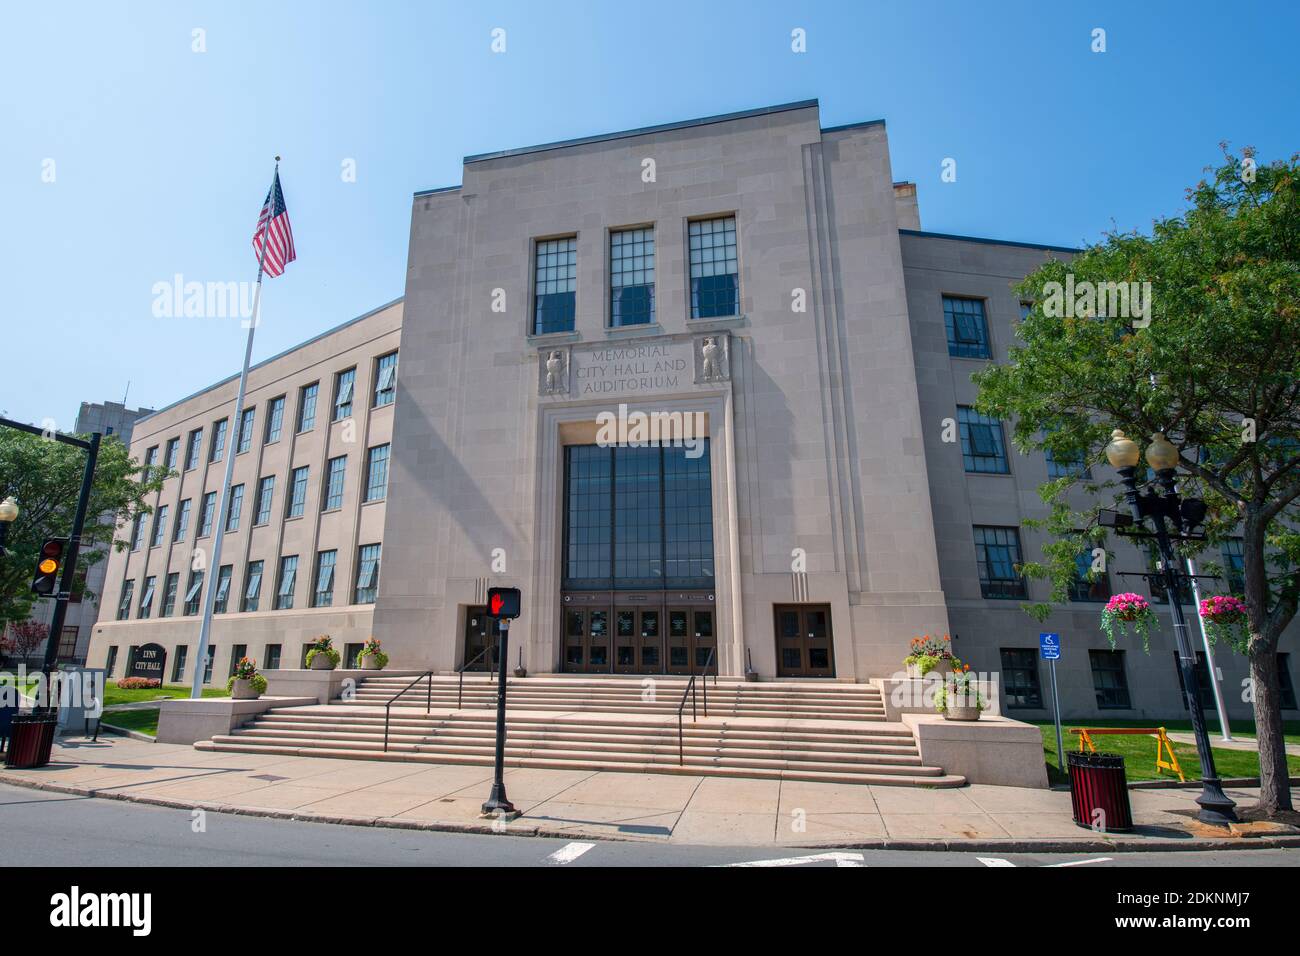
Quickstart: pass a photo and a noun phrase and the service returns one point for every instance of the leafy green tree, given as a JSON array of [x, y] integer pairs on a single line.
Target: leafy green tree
[[1214, 364], [44, 476]]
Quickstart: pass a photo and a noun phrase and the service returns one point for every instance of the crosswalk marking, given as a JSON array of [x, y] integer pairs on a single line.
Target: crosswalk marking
[[568, 853], [839, 858], [994, 861], [1097, 859]]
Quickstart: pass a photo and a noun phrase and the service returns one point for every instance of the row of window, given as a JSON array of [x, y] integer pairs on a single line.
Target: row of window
[[376, 489], [714, 275], [385, 392], [271, 657], [984, 449], [1022, 690], [998, 555], [321, 593]]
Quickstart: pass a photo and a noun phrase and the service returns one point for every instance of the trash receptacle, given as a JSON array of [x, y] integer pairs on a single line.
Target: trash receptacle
[[30, 740], [1099, 791]]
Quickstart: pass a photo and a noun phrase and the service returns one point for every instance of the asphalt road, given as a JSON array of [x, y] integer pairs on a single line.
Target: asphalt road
[[39, 828]]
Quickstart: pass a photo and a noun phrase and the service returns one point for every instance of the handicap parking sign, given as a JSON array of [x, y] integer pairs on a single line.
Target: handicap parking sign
[[1049, 646]]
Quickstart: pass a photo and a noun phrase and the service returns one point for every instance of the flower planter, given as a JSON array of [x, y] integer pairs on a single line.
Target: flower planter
[[368, 663], [962, 712], [322, 662], [243, 689]]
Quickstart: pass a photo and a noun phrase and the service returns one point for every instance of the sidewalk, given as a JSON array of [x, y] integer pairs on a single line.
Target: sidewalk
[[622, 806], [1237, 743]]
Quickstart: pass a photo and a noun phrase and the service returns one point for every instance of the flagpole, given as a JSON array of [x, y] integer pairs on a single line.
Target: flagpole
[[213, 570]]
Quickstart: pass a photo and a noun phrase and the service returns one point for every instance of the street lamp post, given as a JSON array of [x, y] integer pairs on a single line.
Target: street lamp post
[[1183, 514], [8, 515]]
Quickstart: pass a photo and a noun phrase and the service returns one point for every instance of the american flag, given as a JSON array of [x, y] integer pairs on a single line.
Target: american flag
[[274, 222]]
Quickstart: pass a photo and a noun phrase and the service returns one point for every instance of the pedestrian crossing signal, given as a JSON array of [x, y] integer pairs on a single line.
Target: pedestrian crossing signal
[[47, 566], [503, 602]]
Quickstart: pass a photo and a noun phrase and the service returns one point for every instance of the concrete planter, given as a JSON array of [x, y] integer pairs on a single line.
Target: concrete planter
[[322, 662], [242, 689], [962, 712], [368, 663]]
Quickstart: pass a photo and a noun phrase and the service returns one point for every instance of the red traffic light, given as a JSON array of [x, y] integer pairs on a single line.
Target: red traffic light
[[503, 602], [53, 548]]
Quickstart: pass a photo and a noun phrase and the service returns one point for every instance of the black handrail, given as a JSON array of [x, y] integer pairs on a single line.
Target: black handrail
[[428, 700], [460, 688], [690, 692]]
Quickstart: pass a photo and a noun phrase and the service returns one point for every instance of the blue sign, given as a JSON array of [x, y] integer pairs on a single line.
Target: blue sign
[[1049, 646]]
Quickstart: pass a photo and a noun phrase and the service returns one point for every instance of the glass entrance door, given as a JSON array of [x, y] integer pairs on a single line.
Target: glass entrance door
[[804, 646], [638, 641], [479, 635], [586, 640], [690, 638]]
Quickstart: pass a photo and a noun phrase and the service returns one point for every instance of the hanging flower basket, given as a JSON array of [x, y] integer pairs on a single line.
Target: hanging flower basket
[[1125, 612], [1225, 619]]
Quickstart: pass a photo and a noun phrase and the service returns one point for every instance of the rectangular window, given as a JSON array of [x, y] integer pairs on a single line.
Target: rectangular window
[[146, 597], [715, 289], [150, 461], [385, 379], [137, 531], [555, 284], [274, 419], [178, 664], [111, 664], [968, 329], [1020, 687], [218, 447], [237, 653], [344, 383], [124, 602], [1234, 566], [208, 662], [170, 587], [335, 470], [192, 447], [159, 527], [631, 277], [236, 508], [323, 596], [983, 449], [271, 659], [377, 473], [298, 491], [307, 407], [1063, 465], [67, 648], [997, 551], [252, 586], [193, 593], [246, 430], [209, 512], [1109, 680], [265, 494], [367, 574], [1097, 590], [288, 577], [223, 588], [173, 450], [1288, 701], [182, 521]]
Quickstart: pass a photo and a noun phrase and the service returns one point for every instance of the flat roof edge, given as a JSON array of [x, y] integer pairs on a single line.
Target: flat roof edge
[[279, 355], [437, 189], [986, 241], [643, 131], [849, 126]]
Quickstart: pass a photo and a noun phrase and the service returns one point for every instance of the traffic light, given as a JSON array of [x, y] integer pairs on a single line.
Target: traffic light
[[503, 602], [46, 580]]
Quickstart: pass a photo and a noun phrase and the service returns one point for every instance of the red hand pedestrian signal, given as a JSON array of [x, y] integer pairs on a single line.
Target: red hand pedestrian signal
[[503, 602]]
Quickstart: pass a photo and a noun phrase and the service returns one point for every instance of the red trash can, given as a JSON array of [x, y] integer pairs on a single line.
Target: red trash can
[[30, 740], [1099, 792]]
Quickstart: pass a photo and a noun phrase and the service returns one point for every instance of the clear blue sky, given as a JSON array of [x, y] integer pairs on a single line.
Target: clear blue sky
[[162, 155]]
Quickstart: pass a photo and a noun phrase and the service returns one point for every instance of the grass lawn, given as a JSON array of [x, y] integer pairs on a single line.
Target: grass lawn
[[1139, 752], [116, 695], [145, 721]]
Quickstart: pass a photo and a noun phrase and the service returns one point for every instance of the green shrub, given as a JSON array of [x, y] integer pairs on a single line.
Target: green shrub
[[259, 684]]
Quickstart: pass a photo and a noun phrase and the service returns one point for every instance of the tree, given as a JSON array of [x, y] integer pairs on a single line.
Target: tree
[[26, 637], [1213, 363], [44, 476]]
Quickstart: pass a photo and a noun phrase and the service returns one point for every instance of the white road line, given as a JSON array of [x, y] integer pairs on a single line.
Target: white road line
[[994, 861], [1097, 859], [839, 858], [568, 853]]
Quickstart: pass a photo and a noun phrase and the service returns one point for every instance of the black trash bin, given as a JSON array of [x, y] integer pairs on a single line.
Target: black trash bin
[[30, 740], [1098, 783]]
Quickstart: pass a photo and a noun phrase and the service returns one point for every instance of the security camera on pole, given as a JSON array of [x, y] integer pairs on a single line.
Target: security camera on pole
[[502, 607]]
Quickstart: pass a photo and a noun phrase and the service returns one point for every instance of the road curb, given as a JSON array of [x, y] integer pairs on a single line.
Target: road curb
[[1054, 845]]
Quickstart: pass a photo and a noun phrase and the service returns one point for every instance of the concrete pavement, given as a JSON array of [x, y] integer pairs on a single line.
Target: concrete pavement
[[661, 808]]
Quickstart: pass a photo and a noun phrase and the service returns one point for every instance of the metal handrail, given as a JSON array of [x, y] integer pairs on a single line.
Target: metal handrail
[[460, 688], [690, 692], [428, 700]]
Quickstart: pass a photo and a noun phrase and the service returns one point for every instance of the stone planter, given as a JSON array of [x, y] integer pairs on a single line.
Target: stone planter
[[322, 662], [962, 712], [242, 689], [368, 662]]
